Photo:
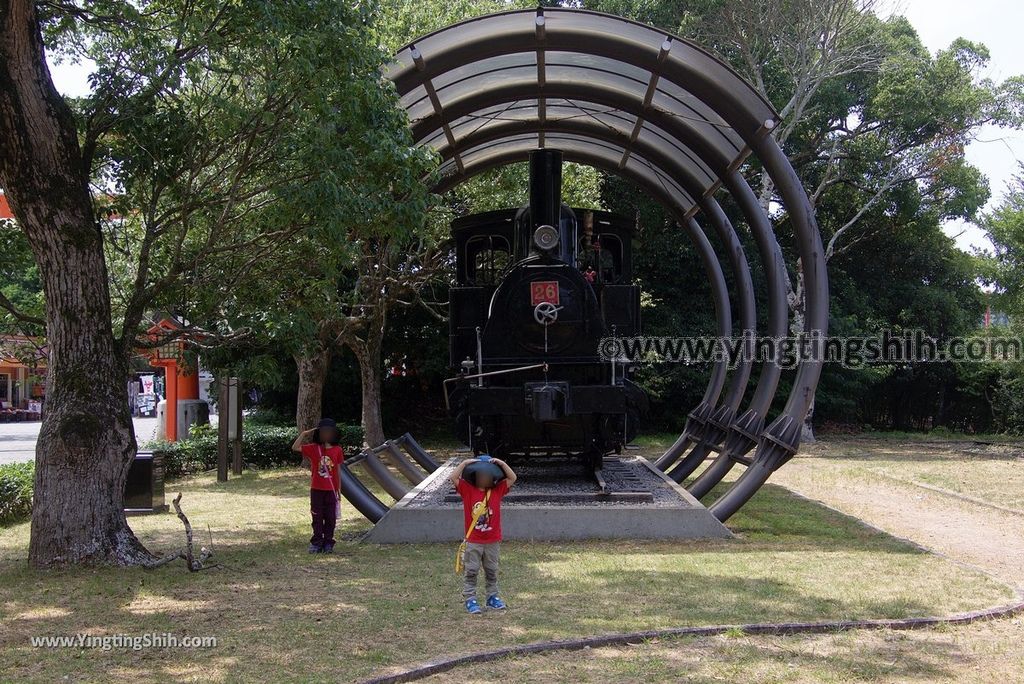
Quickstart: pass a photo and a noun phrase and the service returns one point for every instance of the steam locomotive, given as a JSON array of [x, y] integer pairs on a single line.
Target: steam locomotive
[[537, 289]]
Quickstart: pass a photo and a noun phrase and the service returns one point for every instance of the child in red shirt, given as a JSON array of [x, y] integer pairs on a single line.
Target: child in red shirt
[[320, 448], [484, 541]]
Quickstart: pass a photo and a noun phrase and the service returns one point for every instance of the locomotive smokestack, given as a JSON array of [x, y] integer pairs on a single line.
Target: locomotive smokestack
[[545, 187], [546, 204]]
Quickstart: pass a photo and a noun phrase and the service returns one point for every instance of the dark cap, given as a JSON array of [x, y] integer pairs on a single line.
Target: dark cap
[[327, 423], [484, 464]]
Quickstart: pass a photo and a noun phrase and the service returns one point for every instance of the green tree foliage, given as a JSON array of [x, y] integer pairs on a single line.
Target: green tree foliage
[[403, 21], [216, 133], [15, 491], [346, 289], [1004, 269], [292, 159], [876, 126], [670, 274], [21, 293]]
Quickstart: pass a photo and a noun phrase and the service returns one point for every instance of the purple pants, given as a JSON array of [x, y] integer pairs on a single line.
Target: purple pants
[[323, 504]]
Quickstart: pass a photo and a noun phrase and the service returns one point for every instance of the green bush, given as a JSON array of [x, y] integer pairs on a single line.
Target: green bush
[[263, 446], [16, 491], [192, 455], [351, 438], [270, 416]]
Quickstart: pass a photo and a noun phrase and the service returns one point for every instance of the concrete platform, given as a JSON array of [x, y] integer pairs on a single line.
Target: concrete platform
[[556, 504]]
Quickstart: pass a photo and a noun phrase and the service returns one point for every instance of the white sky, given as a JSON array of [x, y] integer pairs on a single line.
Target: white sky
[[995, 23]]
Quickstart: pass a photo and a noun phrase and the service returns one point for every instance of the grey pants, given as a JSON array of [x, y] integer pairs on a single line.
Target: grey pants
[[477, 554]]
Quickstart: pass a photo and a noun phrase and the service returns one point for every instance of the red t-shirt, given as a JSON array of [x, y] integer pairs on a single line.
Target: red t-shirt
[[488, 527], [324, 462]]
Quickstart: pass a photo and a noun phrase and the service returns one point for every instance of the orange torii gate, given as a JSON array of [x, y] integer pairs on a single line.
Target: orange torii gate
[[181, 378]]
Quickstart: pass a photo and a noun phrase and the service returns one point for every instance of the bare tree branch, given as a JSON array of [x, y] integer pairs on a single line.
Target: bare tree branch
[[22, 317], [193, 563]]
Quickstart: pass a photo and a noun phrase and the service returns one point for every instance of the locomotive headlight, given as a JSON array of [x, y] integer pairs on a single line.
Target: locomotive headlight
[[546, 238]]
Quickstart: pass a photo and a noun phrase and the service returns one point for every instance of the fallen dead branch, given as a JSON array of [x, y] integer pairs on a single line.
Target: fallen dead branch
[[193, 563]]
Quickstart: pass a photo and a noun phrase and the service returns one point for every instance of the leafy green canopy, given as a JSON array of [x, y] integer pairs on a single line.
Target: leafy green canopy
[[21, 293], [337, 291], [876, 127], [1004, 269], [221, 136]]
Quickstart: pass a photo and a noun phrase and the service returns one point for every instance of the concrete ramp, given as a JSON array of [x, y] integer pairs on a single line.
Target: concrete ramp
[[558, 502]]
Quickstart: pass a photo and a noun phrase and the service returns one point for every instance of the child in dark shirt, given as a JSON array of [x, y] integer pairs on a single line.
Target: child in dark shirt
[[481, 499]]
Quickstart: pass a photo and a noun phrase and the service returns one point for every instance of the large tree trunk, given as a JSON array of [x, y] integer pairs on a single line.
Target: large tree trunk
[[369, 356], [86, 442], [312, 376]]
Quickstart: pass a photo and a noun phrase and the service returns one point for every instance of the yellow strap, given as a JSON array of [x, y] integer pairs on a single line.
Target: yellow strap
[[459, 567]]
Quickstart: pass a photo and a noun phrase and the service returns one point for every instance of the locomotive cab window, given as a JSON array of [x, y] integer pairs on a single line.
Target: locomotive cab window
[[601, 258], [486, 258]]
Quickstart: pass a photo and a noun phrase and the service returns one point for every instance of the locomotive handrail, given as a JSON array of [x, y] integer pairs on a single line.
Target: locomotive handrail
[[444, 384]]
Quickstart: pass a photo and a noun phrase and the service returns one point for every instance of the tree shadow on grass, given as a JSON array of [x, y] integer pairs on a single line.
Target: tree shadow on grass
[[397, 608], [286, 482], [775, 515]]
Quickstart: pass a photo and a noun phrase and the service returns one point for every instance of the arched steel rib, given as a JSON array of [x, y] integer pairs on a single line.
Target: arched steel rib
[[706, 128]]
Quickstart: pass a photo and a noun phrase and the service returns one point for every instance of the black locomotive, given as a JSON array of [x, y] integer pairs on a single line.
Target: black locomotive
[[537, 289]]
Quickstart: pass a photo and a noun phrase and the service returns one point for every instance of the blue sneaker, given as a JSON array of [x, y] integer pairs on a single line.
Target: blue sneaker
[[315, 548], [473, 607], [495, 603]]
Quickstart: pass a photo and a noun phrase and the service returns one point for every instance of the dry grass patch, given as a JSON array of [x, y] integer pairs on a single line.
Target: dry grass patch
[[983, 653], [991, 472]]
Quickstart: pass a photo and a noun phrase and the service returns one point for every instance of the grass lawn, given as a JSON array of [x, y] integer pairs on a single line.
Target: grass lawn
[[282, 615], [982, 653], [990, 472], [986, 467]]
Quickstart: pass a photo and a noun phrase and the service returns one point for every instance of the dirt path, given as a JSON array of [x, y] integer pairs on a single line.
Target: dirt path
[[964, 530]]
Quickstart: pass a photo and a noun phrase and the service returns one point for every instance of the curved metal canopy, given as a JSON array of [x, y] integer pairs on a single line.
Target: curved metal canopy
[[672, 117], [535, 71]]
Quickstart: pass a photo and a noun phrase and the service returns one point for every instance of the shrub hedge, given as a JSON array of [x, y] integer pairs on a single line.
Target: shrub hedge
[[16, 491]]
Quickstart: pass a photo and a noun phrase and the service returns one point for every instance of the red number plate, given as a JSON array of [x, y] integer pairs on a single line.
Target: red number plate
[[543, 291]]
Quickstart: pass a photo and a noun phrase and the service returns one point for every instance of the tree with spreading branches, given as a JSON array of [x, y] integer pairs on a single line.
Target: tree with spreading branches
[[214, 132]]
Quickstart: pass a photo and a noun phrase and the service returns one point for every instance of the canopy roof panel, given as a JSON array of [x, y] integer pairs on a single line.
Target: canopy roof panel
[[479, 90]]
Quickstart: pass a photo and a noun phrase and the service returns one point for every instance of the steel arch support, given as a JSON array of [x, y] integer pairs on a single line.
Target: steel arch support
[[417, 452], [743, 434], [695, 122], [782, 438], [380, 472], [359, 496]]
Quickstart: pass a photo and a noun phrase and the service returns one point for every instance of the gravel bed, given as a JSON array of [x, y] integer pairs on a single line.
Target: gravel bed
[[552, 480]]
